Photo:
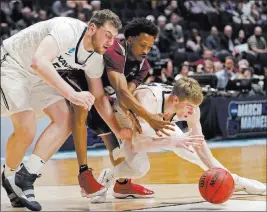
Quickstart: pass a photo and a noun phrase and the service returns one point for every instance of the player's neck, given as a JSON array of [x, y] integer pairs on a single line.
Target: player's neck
[[168, 109], [87, 43]]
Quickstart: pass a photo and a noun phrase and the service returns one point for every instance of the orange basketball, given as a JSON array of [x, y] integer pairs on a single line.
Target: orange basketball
[[216, 185]]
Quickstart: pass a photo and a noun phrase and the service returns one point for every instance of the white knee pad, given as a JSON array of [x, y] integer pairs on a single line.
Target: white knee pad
[[140, 165], [136, 167], [191, 157]]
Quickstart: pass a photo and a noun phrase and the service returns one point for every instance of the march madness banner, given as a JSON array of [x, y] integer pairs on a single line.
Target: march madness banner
[[246, 118]]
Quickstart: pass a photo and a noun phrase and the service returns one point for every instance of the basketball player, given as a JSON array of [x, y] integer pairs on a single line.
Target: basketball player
[[181, 101], [126, 67], [31, 87]]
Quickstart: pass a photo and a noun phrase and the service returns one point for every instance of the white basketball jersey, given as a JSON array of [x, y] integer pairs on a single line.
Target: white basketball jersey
[[68, 33], [159, 91]]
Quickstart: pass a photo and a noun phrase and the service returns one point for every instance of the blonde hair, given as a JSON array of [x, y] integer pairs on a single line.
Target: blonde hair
[[106, 16], [188, 89]]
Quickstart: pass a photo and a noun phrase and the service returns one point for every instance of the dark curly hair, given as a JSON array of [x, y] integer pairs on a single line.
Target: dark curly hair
[[140, 25]]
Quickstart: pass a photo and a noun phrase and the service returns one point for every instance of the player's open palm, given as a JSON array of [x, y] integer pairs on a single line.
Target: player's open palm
[[187, 141], [159, 125], [82, 98]]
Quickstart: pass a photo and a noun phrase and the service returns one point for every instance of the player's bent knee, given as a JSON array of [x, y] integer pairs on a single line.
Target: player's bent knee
[[24, 124], [140, 165], [26, 133], [60, 114]]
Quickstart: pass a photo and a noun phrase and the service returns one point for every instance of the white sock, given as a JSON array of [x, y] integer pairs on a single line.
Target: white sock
[[34, 164], [9, 171]]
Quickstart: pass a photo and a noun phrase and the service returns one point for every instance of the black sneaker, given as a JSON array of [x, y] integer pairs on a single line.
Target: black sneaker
[[14, 199], [22, 185]]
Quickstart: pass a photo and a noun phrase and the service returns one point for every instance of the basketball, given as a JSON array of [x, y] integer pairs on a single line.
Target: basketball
[[216, 185]]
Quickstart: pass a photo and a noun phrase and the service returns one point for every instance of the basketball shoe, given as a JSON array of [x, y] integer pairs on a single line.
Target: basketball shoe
[[14, 199], [130, 189], [89, 186], [248, 185], [21, 184]]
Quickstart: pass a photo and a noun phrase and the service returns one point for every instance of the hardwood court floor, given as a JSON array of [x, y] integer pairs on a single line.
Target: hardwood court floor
[[168, 197], [173, 179]]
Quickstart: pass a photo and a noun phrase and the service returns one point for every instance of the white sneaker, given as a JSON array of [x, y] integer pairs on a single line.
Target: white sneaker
[[105, 178], [249, 185]]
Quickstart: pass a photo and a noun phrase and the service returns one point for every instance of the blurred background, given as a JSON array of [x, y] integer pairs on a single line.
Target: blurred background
[[220, 43]]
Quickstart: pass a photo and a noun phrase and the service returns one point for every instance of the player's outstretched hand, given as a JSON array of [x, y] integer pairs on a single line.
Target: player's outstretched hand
[[82, 98], [159, 125], [186, 140]]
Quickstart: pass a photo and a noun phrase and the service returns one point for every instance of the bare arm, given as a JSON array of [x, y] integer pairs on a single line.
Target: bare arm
[[42, 65], [203, 152], [131, 87], [125, 97], [127, 100], [103, 106]]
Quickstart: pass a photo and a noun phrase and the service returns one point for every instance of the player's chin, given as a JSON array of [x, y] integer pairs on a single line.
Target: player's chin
[[140, 58], [101, 50]]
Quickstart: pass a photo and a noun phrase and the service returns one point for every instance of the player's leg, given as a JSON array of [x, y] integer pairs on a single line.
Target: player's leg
[[43, 98], [15, 103], [48, 143], [89, 186], [24, 125]]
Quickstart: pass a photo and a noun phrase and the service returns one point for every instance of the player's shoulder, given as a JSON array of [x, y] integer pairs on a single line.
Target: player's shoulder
[[117, 49], [96, 59], [75, 24], [115, 56], [146, 65], [144, 93]]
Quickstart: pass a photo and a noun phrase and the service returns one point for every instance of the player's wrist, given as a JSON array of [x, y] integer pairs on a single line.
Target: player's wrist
[[69, 94]]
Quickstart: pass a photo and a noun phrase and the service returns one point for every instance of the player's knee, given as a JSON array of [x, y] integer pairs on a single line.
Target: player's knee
[[24, 124], [26, 132], [61, 115], [140, 166]]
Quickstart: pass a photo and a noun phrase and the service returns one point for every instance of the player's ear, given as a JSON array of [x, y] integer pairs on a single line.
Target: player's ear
[[176, 99], [129, 39], [92, 28]]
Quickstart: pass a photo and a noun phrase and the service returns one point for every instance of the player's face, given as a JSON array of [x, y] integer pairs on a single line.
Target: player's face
[[141, 45], [103, 37], [184, 109]]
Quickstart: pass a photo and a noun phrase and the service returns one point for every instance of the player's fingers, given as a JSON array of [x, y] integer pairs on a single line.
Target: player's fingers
[[193, 144], [168, 127], [158, 133], [91, 100], [199, 137], [164, 132], [187, 148]]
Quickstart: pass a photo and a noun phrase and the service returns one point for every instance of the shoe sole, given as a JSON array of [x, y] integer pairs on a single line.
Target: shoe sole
[[23, 201], [98, 193], [124, 196]]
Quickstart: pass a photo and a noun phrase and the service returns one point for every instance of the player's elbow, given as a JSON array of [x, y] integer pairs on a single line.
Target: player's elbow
[[35, 63]]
